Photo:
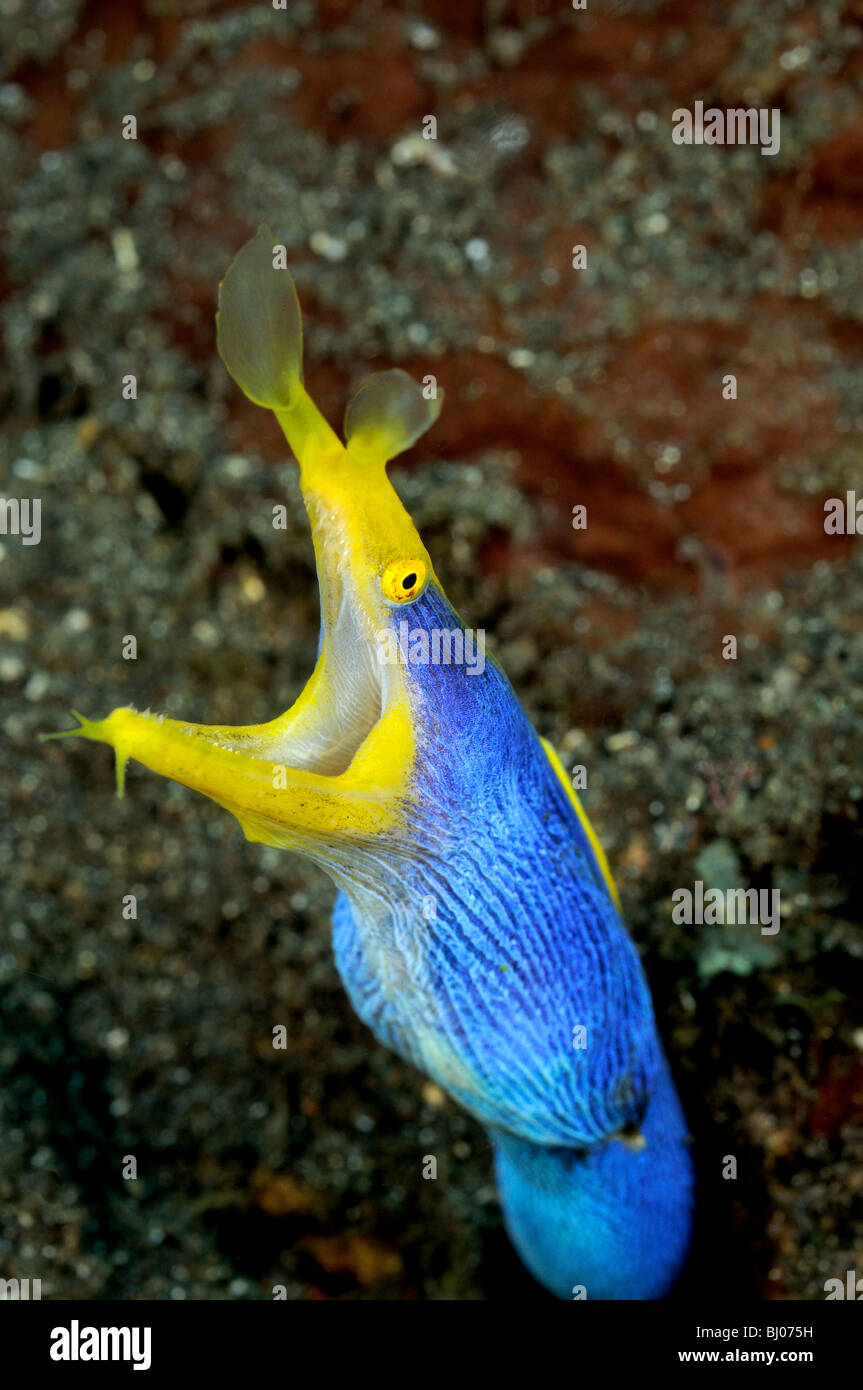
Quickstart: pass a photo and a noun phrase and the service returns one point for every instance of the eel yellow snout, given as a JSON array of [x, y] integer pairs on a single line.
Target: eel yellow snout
[[333, 770]]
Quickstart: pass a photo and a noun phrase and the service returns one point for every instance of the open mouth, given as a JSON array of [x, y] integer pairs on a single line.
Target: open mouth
[[322, 774], [345, 698]]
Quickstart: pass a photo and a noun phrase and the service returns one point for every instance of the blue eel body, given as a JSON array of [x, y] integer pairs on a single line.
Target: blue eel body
[[525, 945]]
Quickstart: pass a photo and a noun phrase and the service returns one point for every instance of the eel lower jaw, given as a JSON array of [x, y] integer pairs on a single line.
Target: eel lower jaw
[[320, 776]]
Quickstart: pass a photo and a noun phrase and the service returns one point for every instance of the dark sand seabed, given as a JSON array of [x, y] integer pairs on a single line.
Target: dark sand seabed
[[602, 387]]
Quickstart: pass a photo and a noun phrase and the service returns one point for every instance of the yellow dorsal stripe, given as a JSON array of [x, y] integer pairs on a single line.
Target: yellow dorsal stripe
[[598, 851]]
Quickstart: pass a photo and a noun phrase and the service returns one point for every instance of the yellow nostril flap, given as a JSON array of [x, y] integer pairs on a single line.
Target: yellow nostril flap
[[258, 325], [388, 414], [260, 337]]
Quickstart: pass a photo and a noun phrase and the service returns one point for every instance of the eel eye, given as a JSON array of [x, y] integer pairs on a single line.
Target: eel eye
[[403, 580]]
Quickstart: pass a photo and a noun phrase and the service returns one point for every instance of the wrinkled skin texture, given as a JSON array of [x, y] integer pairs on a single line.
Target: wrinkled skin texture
[[523, 945]]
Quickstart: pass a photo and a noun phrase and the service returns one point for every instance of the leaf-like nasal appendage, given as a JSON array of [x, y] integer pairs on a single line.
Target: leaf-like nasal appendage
[[93, 729], [388, 414], [258, 325]]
